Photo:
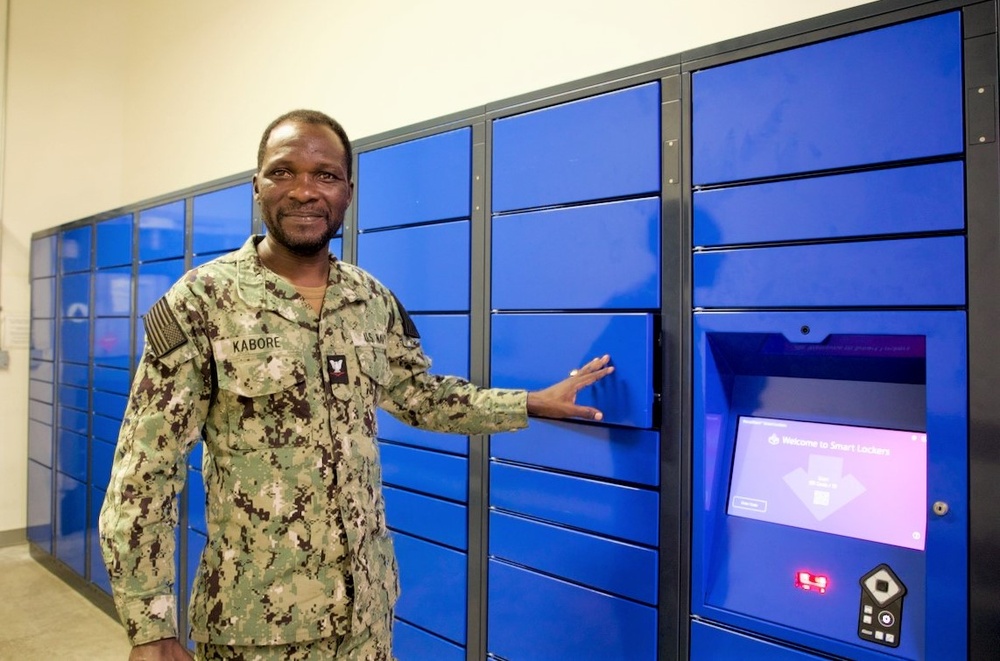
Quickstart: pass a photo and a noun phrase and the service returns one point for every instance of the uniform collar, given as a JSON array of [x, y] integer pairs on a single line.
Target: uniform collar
[[260, 287]]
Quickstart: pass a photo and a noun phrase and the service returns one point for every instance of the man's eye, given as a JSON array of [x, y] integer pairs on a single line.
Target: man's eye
[[279, 173], [327, 176]]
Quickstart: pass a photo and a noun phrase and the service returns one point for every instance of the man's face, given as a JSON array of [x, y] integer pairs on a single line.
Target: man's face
[[302, 186]]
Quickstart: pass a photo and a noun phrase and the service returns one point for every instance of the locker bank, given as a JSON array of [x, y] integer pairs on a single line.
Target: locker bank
[[789, 243]]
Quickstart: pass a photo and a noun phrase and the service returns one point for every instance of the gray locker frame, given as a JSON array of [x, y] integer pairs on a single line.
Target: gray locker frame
[[983, 242]]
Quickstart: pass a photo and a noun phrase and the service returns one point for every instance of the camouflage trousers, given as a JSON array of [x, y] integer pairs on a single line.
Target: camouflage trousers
[[375, 644]]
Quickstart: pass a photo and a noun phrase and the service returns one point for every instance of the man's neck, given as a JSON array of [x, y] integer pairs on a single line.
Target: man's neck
[[304, 271]]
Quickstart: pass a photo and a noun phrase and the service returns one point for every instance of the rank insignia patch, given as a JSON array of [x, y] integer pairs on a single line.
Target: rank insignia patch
[[163, 332], [337, 366]]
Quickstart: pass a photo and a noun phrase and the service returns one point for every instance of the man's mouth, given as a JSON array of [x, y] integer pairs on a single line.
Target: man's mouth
[[303, 215]]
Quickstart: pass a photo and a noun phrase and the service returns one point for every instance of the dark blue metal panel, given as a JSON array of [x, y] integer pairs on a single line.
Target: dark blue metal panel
[[445, 338], [110, 379], [617, 453], [75, 249], [412, 644], [433, 582], [428, 472], [72, 455], [883, 95], [43, 298], [222, 219], [110, 404], [161, 232], [743, 378], [40, 391], [416, 181], [540, 259], [596, 148], [73, 420], [604, 564], [71, 523], [43, 256], [533, 351], [196, 456], [391, 429], [75, 293], [196, 502], [76, 398], [74, 375], [154, 281], [112, 338], [106, 429], [709, 643], [74, 340], [113, 292], [899, 272], [608, 509], [40, 442], [98, 572], [102, 455], [40, 505], [538, 618], [427, 267], [922, 198], [114, 242], [438, 520]]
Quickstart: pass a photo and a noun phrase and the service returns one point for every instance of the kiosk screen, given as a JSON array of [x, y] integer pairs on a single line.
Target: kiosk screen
[[857, 482]]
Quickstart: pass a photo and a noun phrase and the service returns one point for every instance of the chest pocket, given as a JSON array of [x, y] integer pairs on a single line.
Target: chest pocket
[[375, 364], [265, 398]]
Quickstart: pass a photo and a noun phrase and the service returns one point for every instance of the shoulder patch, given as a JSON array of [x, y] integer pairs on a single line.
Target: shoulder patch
[[163, 333], [409, 328]]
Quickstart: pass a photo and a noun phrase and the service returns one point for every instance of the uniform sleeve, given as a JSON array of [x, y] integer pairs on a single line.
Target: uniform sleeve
[[443, 403], [163, 420]]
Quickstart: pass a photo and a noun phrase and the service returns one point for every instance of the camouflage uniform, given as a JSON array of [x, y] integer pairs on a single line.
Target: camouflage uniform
[[285, 402]]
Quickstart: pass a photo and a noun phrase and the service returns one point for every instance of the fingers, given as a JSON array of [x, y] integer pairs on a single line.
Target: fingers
[[593, 371], [595, 365]]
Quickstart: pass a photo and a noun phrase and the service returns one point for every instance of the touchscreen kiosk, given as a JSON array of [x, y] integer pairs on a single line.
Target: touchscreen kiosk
[[858, 482]]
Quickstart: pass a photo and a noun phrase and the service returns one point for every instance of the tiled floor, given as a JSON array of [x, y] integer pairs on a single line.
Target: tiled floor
[[43, 618]]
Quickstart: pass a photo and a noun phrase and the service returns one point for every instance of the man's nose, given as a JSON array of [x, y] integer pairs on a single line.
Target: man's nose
[[304, 189]]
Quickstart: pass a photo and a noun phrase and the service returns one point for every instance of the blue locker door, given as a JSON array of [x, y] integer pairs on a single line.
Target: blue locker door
[[884, 95], [521, 360], [71, 523], [534, 617]]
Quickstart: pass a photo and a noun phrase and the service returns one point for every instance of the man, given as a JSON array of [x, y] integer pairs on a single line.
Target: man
[[278, 355]]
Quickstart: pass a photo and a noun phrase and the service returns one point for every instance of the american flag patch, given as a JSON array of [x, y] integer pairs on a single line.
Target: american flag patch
[[163, 333]]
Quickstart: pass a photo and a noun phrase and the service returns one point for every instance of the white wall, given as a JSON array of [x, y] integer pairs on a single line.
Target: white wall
[[111, 102]]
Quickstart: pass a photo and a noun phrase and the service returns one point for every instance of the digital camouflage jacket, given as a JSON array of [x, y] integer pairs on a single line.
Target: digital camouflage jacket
[[285, 403]]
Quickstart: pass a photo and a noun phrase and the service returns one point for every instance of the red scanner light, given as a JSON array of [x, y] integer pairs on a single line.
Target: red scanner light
[[812, 582]]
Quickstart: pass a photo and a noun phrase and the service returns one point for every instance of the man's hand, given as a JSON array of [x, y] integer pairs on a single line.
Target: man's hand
[[161, 650], [559, 400]]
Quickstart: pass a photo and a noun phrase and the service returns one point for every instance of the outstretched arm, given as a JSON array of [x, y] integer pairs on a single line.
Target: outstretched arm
[[559, 400]]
